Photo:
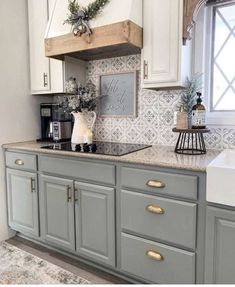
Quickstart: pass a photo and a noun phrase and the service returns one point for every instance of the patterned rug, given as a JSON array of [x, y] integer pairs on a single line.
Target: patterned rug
[[20, 267]]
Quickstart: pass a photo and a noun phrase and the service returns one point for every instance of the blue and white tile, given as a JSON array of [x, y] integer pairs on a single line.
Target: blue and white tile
[[229, 137], [214, 138]]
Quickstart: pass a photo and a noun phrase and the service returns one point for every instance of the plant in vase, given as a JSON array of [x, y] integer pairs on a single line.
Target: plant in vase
[[188, 99], [80, 101]]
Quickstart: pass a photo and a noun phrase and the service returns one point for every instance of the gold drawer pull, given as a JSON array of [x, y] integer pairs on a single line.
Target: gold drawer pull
[[155, 209], [155, 183], [154, 255], [19, 162]]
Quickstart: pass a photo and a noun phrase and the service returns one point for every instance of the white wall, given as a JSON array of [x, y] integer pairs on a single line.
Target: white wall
[[19, 111]]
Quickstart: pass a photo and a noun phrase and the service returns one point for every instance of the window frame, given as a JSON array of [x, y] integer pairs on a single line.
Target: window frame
[[204, 49]]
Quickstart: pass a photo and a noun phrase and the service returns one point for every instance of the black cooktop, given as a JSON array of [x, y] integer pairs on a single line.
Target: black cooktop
[[106, 148]]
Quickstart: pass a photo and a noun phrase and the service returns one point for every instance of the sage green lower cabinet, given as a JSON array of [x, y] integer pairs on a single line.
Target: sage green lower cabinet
[[144, 223], [57, 211], [155, 262], [95, 222], [148, 215], [220, 246], [22, 195]]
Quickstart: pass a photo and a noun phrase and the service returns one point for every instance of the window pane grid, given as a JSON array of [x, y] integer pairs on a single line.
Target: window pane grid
[[223, 59]]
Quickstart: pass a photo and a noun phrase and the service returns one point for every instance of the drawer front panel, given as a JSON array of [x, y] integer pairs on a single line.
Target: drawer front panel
[[155, 262], [160, 182], [21, 160], [97, 172], [160, 218]]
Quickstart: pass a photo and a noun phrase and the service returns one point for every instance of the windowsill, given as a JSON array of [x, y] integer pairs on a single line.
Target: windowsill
[[220, 118]]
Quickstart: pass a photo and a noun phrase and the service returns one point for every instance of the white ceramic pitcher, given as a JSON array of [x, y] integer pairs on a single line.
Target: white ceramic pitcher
[[81, 131]]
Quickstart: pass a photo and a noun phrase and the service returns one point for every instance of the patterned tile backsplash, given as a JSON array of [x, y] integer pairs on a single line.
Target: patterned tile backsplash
[[154, 121]]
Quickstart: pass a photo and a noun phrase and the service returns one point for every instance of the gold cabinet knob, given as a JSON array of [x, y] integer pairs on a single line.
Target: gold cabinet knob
[[154, 255], [155, 209], [19, 162], [155, 183]]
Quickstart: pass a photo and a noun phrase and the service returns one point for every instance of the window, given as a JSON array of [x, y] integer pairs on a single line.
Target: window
[[222, 80]]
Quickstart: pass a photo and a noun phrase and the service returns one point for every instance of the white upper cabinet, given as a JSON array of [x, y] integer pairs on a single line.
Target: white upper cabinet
[[47, 75], [165, 61]]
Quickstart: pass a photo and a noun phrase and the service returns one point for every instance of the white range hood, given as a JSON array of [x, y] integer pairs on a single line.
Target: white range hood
[[117, 30]]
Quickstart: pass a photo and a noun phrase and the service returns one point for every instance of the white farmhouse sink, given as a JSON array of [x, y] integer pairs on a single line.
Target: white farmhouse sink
[[221, 179]]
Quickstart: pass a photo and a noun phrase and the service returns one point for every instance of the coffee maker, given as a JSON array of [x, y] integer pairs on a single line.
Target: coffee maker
[[56, 125]]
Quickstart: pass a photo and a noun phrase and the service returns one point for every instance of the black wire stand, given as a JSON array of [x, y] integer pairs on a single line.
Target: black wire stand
[[190, 141]]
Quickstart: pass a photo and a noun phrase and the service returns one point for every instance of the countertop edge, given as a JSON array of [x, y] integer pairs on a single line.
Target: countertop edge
[[122, 159]]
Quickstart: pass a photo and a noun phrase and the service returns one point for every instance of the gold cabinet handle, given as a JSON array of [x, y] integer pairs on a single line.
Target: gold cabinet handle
[[33, 189], [145, 70], [19, 162], [155, 183], [69, 197], [155, 209], [45, 79], [75, 196], [154, 255]]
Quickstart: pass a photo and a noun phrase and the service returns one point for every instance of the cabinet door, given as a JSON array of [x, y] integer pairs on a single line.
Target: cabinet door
[[220, 250], [23, 201], [95, 224], [47, 75], [57, 211], [39, 64], [162, 43]]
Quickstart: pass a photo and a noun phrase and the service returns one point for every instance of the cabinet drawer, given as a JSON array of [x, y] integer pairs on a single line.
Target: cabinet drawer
[[160, 218], [21, 160], [160, 182], [155, 262], [97, 172]]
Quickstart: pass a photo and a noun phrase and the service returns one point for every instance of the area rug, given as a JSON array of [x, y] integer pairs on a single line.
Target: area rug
[[20, 267]]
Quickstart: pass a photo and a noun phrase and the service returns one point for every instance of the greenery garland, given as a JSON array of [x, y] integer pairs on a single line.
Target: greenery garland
[[91, 11]]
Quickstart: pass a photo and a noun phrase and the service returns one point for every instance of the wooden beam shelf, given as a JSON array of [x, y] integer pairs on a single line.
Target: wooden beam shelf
[[119, 39]]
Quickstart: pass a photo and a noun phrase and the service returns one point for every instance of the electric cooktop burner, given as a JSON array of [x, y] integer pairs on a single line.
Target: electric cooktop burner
[[106, 148]]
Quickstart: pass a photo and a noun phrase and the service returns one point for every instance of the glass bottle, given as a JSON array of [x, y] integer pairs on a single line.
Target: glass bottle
[[199, 114]]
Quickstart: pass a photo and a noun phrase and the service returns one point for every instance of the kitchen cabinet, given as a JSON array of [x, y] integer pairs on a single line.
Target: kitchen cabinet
[[152, 225], [220, 251], [165, 61], [146, 223], [157, 262], [148, 215], [22, 194], [57, 211], [48, 75], [92, 206], [95, 222]]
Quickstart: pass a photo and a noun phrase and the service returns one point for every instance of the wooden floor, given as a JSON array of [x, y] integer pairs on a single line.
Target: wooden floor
[[89, 273]]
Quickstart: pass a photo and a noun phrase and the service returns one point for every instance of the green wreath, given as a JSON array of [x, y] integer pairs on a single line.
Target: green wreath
[[79, 16]]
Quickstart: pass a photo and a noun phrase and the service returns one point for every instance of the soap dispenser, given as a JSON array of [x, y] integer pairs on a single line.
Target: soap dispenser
[[199, 114]]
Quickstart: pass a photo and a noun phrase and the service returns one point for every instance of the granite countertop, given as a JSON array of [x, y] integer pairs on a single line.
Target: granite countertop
[[162, 156]]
